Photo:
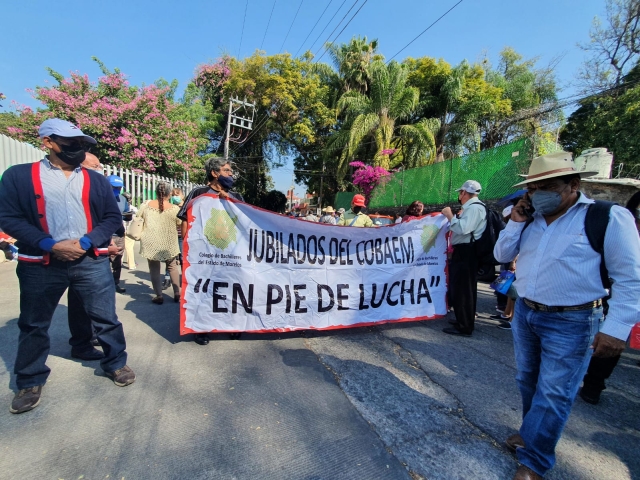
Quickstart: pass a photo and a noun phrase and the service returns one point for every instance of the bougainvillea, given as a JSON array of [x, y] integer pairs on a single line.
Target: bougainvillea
[[367, 177], [138, 128], [211, 77]]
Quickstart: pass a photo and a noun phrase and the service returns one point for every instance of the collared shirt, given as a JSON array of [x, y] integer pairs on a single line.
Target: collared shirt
[[361, 220], [558, 267], [472, 221], [63, 200]]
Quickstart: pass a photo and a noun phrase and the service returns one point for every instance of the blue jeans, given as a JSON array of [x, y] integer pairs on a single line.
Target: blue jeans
[[41, 288], [552, 355]]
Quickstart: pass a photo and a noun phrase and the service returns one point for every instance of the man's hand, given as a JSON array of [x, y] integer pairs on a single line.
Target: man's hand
[[67, 250], [607, 346], [518, 213], [114, 249], [446, 211]]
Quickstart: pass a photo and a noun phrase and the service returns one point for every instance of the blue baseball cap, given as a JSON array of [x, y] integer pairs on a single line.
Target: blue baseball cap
[[115, 181], [62, 128]]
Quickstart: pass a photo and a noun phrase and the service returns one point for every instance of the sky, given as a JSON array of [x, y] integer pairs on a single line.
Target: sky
[[148, 39]]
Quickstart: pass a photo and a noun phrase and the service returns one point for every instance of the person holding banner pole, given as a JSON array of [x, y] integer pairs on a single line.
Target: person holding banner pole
[[469, 223], [220, 177]]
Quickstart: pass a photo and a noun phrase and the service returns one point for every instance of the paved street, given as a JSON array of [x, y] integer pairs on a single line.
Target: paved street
[[392, 402]]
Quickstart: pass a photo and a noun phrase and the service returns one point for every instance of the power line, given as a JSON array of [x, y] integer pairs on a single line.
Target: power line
[[346, 25], [243, 21], [328, 23], [425, 30], [313, 28], [336, 27], [291, 26], [268, 23]]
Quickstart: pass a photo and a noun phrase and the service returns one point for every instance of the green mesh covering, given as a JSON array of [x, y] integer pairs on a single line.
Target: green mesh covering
[[343, 200], [496, 169]]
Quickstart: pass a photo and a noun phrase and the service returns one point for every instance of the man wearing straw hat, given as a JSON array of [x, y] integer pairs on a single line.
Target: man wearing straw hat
[[328, 216], [557, 323]]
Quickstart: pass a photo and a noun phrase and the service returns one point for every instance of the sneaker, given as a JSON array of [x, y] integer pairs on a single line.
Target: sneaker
[[500, 310], [120, 289], [505, 326], [122, 377], [26, 399], [499, 317]]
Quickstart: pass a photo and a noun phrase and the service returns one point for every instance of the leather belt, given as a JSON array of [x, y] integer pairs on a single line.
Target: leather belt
[[539, 307]]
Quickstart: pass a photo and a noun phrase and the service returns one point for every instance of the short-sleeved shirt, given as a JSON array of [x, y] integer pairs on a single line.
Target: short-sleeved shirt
[[351, 219], [196, 192]]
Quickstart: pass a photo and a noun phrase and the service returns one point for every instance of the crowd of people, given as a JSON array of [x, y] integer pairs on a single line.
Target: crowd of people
[[571, 309]]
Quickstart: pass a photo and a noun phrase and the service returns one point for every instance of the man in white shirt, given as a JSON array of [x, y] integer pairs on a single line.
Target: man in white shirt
[[557, 323], [466, 227]]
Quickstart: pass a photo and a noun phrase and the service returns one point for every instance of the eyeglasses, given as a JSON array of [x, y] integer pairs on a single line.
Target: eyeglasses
[[227, 170]]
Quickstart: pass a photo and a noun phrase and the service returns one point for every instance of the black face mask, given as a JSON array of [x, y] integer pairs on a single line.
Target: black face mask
[[72, 155]]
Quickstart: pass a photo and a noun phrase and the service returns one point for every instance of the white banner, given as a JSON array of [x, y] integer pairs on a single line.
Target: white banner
[[249, 270]]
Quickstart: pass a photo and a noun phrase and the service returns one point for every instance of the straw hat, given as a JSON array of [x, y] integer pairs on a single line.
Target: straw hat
[[329, 209], [553, 165]]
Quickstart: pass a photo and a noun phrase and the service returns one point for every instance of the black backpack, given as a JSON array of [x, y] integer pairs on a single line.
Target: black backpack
[[486, 242], [595, 226]]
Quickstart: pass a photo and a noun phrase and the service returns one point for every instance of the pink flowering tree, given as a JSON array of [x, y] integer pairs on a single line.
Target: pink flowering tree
[[136, 127], [367, 177]]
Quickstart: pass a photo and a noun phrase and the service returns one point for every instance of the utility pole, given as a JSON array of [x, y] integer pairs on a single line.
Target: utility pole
[[240, 115], [321, 181]]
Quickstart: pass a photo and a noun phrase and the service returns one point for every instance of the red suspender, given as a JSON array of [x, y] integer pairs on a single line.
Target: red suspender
[[40, 206], [86, 185], [40, 203]]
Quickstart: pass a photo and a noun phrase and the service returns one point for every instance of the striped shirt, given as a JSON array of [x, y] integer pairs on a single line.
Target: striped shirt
[[558, 267], [63, 200]]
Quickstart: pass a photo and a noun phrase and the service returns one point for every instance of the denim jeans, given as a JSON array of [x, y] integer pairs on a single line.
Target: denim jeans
[[552, 355], [41, 288]]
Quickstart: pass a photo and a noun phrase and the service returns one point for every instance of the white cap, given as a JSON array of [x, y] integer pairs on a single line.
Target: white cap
[[470, 186], [507, 211]]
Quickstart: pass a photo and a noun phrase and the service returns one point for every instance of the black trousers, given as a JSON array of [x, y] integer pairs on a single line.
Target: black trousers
[[599, 370], [463, 285]]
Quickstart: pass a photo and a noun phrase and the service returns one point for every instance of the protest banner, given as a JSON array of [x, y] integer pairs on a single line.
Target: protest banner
[[250, 270]]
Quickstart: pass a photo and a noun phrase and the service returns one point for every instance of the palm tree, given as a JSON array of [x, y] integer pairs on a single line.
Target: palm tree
[[375, 117], [352, 61]]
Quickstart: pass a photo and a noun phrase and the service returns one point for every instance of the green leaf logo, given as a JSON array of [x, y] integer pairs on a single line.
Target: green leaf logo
[[220, 229], [428, 237]]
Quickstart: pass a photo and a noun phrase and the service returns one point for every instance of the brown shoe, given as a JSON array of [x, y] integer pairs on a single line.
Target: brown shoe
[[26, 399], [525, 473], [514, 441], [122, 377], [158, 300]]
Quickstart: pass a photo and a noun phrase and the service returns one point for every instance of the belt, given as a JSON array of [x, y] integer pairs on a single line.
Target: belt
[[539, 307]]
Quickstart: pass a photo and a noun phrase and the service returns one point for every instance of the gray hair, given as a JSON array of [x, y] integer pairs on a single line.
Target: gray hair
[[214, 164], [163, 191]]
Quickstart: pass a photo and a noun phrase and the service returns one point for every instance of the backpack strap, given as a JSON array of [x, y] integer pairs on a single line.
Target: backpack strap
[[486, 217], [595, 226]]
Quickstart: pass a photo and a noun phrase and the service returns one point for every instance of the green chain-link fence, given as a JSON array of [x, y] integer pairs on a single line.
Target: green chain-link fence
[[496, 169]]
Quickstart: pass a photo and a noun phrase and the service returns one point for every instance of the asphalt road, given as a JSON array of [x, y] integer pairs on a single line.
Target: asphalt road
[[390, 402]]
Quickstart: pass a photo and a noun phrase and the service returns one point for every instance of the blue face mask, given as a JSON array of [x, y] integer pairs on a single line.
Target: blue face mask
[[225, 182], [175, 200], [116, 191], [546, 202]]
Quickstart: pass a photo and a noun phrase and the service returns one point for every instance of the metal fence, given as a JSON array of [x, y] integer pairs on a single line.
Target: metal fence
[[497, 169], [13, 152], [142, 186]]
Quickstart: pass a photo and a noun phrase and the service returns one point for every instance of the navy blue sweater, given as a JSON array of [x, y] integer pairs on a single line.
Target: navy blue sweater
[[19, 213]]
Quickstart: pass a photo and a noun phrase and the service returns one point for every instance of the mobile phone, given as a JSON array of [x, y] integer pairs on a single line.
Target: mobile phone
[[529, 210]]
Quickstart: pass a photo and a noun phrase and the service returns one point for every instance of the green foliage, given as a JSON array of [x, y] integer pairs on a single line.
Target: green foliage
[[609, 120]]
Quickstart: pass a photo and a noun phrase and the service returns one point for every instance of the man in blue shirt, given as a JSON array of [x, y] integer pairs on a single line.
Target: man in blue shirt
[[558, 321], [63, 217]]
